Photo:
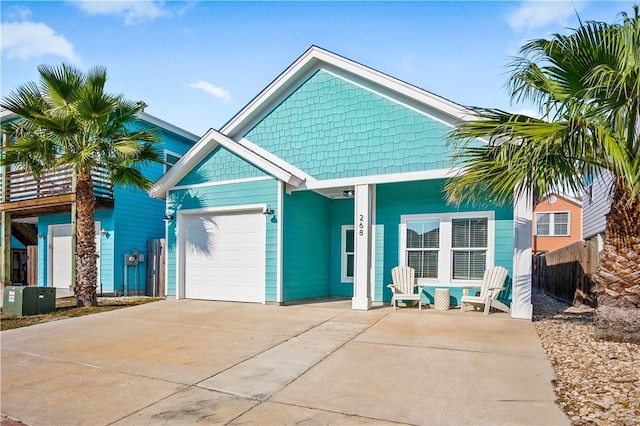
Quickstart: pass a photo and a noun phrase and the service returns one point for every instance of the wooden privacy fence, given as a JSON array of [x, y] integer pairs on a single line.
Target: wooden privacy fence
[[566, 273]]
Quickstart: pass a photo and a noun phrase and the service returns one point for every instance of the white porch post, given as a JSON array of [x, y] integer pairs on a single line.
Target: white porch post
[[521, 306], [362, 227]]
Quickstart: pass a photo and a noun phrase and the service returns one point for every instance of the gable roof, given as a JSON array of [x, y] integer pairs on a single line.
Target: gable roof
[[315, 58], [568, 198], [203, 147]]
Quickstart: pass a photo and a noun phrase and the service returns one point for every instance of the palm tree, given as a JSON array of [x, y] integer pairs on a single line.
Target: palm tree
[[587, 86], [69, 119]]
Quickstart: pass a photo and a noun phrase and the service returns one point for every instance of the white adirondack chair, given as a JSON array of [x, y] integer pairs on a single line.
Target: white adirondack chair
[[492, 285], [404, 285]]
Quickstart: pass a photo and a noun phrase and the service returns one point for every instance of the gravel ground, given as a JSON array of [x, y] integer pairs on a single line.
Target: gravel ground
[[597, 382]]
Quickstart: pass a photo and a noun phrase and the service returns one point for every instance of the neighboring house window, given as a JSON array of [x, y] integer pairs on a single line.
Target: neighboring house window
[[449, 247], [348, 253], [423, 245], [552, 224], [170, 158]]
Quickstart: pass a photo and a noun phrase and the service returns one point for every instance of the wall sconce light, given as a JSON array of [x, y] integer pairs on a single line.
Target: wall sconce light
[[104, 233], [349, 193], [168, 217], [41, 236], [268, 211]]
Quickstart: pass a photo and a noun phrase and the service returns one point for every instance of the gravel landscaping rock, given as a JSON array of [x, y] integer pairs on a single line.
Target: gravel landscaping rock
[[597, 382]]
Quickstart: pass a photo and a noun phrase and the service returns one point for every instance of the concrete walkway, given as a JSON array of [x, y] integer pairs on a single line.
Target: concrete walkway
[[188, 361]]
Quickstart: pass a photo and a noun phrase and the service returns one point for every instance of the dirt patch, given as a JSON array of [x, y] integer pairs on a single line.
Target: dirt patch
[[66, 308]]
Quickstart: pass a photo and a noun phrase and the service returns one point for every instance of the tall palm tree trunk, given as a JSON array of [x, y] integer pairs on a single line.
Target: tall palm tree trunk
[[86, 269], [617, 277]]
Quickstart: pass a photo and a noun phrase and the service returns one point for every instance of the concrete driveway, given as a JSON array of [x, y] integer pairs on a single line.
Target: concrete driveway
[[201, 362]]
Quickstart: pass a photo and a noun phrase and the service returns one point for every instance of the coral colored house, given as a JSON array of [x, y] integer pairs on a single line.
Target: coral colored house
[[557, 222]]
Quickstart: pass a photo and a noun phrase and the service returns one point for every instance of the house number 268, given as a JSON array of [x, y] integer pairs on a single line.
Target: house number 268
[[361, 225]]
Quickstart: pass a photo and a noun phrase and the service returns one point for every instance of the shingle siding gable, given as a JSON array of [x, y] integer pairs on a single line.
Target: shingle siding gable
[[330, 128], [221, 165]]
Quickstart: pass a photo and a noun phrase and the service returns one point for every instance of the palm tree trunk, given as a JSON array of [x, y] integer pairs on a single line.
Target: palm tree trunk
[[86, 269], [617, 277]]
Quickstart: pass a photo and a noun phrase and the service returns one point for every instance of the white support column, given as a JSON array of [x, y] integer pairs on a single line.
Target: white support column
[[362, 227], [521, 306]]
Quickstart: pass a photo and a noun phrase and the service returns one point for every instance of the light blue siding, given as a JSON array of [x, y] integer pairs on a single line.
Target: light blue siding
[[307, 246], [228, 195], [135, 218], [105, 217], [331, 128], [138, 218]]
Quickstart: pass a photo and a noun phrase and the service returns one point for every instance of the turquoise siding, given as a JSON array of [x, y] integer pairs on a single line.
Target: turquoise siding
[[307, 246], [426, 197], [135, 218], [232, 194], [331, 128], [341, 214], [138, 218], [220, 165]]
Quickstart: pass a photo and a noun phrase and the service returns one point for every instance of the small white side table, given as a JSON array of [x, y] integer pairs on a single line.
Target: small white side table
[[441, 299]]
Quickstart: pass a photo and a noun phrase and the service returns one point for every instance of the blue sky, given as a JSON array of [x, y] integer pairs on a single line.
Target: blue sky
[[197, 63]]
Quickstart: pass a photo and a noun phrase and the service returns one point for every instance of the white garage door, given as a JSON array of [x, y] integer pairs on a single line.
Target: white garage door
[[60, 255], [225, 257]]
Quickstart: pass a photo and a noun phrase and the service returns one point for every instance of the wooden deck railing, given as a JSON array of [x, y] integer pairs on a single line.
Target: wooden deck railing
[[21, 185]]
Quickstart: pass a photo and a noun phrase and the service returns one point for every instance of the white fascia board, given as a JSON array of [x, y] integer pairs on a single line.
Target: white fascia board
[[6, 115], [188, 161], [313, 59], [377, 179], [202, 148], [148, 118]]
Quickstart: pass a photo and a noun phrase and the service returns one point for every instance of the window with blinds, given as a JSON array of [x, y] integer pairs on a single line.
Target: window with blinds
[[453, 248], [469, 246], [423, 246]]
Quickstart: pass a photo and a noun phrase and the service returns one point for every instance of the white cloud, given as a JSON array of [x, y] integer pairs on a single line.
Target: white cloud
[[533, 14], [17, 13], [26, 40], [134, 12], [216, 91]]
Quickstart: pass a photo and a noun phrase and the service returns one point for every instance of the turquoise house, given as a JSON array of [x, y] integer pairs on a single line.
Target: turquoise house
[[126, 218], [329, 178]]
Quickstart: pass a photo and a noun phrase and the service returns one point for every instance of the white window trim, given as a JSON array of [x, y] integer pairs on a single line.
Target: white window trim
[[445, 259], [173, 154], [552, 231], [343, 254]]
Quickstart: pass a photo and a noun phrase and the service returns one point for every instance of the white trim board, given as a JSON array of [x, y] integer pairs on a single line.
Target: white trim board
[[206, 145], [384, 178], [222, 182]]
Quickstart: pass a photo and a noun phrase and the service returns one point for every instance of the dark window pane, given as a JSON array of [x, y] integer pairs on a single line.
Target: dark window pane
[[350, 263], [349, 241]]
